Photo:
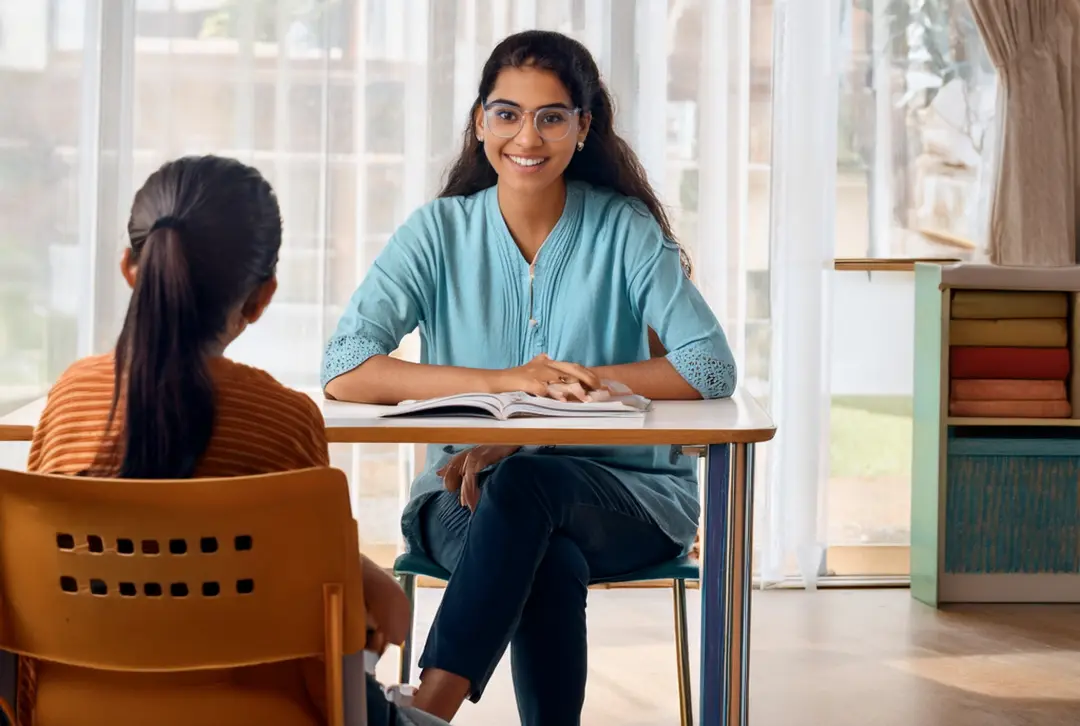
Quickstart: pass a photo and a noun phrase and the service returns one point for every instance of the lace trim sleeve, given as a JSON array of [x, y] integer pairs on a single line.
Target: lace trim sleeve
[[710, 375], [346, 352]]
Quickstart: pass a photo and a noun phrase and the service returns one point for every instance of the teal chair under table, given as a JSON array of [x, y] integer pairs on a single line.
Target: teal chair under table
[[408, 566]]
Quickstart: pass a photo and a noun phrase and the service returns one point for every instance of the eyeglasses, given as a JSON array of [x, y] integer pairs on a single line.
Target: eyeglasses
[[553, 123]]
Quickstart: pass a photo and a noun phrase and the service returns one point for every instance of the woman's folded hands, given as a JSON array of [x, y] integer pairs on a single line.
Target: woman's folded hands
[[560, 380]]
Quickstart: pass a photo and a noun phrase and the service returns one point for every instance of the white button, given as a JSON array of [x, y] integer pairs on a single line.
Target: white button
[[533, 322]]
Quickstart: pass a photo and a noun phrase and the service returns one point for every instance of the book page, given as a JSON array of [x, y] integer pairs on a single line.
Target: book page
[[526, 405], [462, 404], [519, 404]]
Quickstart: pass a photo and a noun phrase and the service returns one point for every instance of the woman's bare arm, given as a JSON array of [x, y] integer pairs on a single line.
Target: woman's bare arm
[[655, 378], [388, 381]]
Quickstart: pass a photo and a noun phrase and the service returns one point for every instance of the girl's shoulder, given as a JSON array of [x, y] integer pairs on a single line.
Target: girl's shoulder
[[95, 371], [91, 365], [261, 425], [246, 387]]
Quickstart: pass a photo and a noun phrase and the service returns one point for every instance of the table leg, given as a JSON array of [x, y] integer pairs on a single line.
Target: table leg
[[726, 581]]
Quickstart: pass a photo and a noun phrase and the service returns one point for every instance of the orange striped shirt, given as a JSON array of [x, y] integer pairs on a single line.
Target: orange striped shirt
[[260, 426]]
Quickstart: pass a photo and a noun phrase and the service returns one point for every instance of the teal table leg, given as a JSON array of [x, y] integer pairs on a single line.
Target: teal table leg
[[726, 579]]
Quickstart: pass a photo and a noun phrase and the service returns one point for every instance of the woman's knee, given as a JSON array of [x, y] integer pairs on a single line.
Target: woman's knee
[[517, 481], [563, 566]]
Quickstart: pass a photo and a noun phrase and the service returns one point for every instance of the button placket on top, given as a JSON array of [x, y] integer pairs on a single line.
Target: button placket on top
[[536, 325], [554, 252]]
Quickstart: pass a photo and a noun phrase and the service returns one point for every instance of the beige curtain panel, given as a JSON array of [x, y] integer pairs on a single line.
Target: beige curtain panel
[[1033, 45]]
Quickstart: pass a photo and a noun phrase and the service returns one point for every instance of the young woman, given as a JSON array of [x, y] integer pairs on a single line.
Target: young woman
[[545, 261], [166, 403]]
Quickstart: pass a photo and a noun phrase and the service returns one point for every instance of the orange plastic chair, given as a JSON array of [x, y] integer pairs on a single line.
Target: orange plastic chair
[[178, 602]]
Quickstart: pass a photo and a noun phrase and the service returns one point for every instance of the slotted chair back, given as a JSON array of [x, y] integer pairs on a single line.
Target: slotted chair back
[[160, 576]]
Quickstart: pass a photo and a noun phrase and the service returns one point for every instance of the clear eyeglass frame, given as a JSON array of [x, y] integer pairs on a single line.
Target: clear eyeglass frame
[[507, 130]]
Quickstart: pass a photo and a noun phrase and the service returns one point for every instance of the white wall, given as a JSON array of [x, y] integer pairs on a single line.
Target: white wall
[[873, 318]]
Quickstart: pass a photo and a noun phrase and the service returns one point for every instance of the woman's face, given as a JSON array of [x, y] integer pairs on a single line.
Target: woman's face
[[529, 160]]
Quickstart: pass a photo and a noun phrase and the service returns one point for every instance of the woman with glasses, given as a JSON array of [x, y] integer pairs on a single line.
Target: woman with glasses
[[541, 267]]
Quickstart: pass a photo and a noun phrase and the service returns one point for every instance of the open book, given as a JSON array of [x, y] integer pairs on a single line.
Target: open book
[[505, 406]]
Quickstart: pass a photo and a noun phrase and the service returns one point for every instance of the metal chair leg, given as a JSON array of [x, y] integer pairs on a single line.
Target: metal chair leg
[[408, 584], [682, 654]]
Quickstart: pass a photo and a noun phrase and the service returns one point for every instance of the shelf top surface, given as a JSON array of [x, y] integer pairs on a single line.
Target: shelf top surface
[[997, 277]]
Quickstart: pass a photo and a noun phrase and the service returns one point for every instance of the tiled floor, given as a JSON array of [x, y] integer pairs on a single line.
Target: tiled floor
[[832, 658]]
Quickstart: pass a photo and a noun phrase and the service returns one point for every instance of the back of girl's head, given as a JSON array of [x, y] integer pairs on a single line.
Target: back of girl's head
[[606, 160], [205, 234]]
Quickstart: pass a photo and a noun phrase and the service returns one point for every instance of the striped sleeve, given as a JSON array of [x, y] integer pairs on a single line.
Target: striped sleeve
[[262, 426], [70, 431], [41, 434], [312, 444]]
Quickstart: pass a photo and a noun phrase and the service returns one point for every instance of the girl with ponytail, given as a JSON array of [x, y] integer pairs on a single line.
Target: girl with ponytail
[[205, 236], [205, 233]]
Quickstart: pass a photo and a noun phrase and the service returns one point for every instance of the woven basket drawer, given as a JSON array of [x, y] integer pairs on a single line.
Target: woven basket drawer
[[1012, 505]]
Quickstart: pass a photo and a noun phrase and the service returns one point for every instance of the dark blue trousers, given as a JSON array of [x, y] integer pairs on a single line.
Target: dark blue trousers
[[546, 525]]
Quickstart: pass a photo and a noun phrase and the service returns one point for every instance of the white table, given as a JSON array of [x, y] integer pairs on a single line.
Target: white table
[[729, 429]]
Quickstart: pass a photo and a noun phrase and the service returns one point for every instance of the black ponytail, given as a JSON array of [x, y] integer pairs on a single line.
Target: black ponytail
[[205, 233], [169, 411]]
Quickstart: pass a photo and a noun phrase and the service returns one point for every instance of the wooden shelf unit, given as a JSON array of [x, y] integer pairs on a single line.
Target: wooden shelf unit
[[933, 580]]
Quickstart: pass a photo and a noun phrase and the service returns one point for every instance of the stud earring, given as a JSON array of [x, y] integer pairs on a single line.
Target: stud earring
[[479, 139], [580, 145]]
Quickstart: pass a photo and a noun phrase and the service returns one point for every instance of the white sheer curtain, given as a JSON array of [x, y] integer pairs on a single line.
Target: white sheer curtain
[[806, 50]]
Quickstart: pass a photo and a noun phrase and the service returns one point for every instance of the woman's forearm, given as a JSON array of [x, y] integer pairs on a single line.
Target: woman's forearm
[[655, 378], [388, 381]]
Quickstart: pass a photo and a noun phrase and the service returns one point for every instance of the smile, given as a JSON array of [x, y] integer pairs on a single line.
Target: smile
[[527, 162]]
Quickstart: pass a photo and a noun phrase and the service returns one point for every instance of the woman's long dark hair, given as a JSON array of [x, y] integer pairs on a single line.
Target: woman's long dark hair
[[606, 160], [205, 233]]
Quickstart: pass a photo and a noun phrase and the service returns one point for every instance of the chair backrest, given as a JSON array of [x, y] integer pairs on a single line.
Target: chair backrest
[[176, 575]]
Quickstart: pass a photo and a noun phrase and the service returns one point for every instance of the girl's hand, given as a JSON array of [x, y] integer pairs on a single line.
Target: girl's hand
[[460, 473], [542, 375], [376, 641]]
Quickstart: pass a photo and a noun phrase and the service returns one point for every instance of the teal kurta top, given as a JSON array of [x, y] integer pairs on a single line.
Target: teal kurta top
[[603, 277]]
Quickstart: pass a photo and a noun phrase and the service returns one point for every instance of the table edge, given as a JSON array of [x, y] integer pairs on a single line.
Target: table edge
[[543, 437], [10, 433]]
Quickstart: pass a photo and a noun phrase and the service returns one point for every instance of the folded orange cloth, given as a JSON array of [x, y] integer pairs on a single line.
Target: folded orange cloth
[[1011, 409], [1006, 390]]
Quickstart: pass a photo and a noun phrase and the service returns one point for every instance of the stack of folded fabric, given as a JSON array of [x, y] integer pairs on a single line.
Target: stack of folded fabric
[[1009, 354]]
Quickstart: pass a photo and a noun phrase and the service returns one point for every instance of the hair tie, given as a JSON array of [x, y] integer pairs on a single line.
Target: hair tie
[[168, 222]]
